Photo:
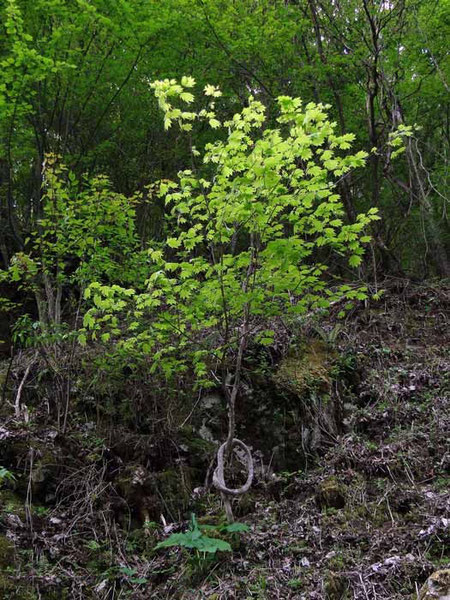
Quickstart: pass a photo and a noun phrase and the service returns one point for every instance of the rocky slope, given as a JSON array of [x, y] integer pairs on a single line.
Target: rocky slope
[[350, 430]]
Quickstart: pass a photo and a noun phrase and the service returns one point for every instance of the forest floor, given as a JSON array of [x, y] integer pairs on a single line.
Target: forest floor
[[366, 517]]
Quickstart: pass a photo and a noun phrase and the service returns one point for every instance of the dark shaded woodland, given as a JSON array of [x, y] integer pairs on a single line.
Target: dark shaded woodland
[[224, 299]]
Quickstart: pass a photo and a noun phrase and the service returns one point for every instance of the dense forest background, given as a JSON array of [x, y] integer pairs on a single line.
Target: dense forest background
[[128, 327], [75, 82]]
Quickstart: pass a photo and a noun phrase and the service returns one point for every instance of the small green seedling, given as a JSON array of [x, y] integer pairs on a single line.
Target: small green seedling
[[195, 539]]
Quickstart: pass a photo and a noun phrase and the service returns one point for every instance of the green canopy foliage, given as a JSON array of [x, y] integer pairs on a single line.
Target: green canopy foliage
[[76, 80], [250, 233]]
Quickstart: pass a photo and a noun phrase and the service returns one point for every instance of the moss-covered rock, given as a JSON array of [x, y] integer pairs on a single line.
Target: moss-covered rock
[[437, 586], [306, 377], [331, 493], [309, 368]]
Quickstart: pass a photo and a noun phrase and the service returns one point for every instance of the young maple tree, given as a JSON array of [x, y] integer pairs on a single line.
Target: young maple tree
[[247, 230]]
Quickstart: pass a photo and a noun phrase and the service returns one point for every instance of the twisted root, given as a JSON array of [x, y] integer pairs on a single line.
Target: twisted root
[[219, 477]]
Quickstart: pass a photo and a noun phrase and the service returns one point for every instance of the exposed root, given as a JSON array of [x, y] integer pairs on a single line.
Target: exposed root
[[219, 477]]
